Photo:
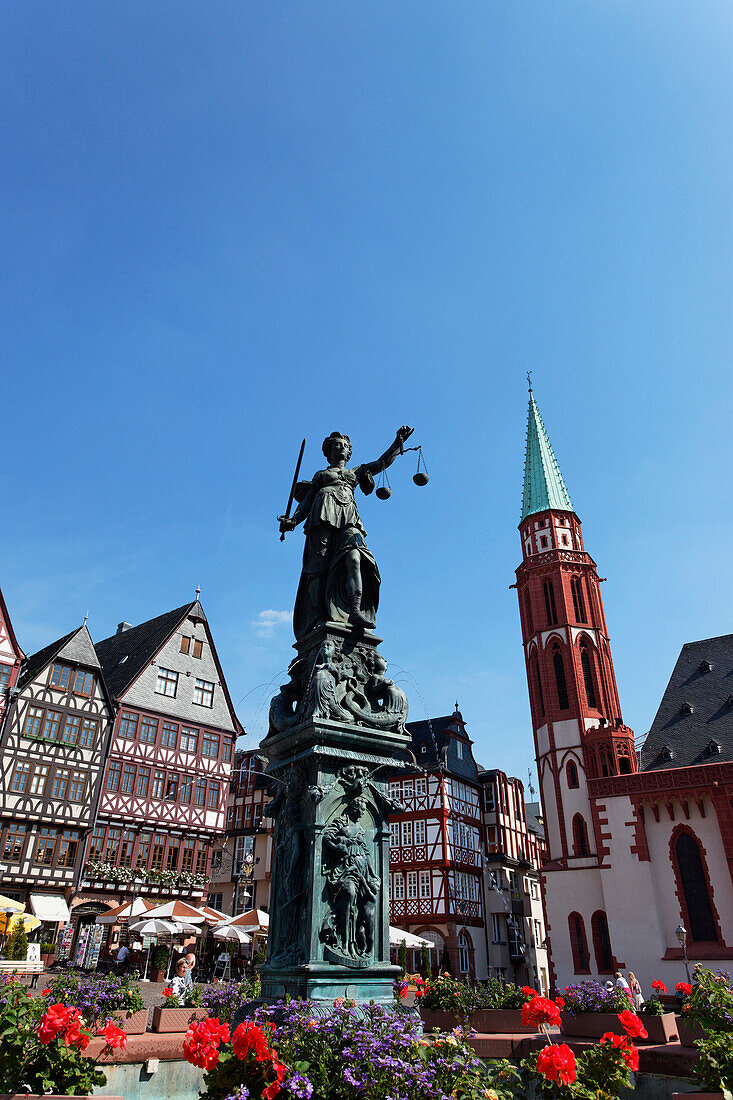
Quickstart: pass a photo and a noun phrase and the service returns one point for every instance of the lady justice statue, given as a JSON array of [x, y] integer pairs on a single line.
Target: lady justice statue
[[340, 580]]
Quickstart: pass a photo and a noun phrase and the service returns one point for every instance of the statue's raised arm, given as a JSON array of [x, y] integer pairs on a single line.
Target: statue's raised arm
[[391, 453]]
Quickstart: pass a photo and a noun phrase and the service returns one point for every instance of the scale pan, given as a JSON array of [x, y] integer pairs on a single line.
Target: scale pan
[[420, 478], [384, 493]]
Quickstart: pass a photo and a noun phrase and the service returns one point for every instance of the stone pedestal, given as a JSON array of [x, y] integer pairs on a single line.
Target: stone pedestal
[[331, 755]]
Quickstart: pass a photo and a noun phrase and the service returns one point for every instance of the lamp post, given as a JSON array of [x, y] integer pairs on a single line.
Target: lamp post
[[681, 933]]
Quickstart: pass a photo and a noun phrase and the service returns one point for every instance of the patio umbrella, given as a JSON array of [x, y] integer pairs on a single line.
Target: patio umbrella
[[399, 935], [28, 921], [177, 910], [153, 928], [7, 905], [232, 932], [127, 911], [213, 916], [254, 920]]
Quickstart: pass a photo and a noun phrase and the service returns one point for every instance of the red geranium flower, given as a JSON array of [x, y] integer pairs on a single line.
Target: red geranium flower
[[538, 1011], [249, 1037], [559, 1002], [46, 992], [202, 1042], [271, 1090], [626, 1048], [113, 1036], [557, 1063], [168, 991], [683, 987], [632, 1025], [659, 986], [529, 993]]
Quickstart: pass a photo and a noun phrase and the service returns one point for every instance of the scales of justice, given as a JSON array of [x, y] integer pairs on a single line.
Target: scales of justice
[[336, 730]]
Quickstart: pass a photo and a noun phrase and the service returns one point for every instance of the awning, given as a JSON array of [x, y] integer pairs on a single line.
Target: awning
[[50, 907]]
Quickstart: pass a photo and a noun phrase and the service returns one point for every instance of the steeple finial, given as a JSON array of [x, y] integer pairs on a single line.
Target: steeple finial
[[529, 381], [544, 487], [198, 590], [86, 616]]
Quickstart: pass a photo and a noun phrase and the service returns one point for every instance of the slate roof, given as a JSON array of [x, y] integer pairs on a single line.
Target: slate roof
[[696, 708], [543, 483], [76, 646], [139, 645], [438, 740]]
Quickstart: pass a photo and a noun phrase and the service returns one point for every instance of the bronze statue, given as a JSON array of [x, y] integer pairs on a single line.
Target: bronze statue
[[340, 579]]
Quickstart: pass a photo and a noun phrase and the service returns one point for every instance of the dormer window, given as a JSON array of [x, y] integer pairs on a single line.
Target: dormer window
[[667, 753], [706, 665], [423, 748], [713, 748], [729, 701], [459, 750], [687, 708]]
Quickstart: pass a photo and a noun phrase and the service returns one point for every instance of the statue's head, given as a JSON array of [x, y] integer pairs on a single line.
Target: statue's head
[[356, 809], [337, 441]]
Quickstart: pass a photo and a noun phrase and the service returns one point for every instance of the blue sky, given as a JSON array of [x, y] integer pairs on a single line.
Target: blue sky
[[226, 226]]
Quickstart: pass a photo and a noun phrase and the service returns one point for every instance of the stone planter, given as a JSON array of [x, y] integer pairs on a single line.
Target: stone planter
[[689, 1031], [166, 1020], [697, 1096], [47, 960], [437, 1018], [499, 1021], [591, 1025], [662, 1029], [134, 1023], [157, 975]]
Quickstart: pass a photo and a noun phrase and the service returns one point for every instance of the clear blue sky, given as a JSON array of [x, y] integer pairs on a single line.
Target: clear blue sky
[[228, 225]]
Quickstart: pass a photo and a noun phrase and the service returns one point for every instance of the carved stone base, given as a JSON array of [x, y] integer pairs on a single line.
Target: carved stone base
[[329, 912]]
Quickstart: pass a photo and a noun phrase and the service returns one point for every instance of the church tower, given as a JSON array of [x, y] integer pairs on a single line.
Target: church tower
[[576, 715]]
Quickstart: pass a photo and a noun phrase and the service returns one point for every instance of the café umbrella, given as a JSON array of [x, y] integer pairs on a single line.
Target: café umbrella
[[157, 926]]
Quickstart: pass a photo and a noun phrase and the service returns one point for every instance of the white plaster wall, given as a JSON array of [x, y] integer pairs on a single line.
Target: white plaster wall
[[577, 891]]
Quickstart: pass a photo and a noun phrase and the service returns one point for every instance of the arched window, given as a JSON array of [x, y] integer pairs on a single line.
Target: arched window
[[602, 943], [572, 772], [550, 607], [528, 612], [692, 875], [538, 684], [560, 681], [590, 690], [464, 954], [578, 944], [576, 588], [580, 836], [607, 764]]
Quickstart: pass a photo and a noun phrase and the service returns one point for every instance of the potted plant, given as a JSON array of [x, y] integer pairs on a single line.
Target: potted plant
[[660, 1024], [159, 963], [591, 1009], [707, 1006], [101, 998], [600, 1071], [492, 1007], [178, 1012], [48, 953], [43, 1046]]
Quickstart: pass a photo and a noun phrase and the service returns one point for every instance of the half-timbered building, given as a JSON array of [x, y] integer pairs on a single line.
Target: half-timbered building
[[241, 864], [435, 851], [514, 852], [11, 656], [54, 741], [166, 783]]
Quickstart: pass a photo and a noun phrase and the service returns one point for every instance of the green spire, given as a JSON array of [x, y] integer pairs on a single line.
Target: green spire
[[543, 484]]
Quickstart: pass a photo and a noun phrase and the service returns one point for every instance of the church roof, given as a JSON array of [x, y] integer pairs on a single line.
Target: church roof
[[544, 487], [694, 723], [434, 743]]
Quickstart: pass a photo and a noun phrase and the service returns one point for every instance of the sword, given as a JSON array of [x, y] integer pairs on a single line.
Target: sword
[[292, 488]]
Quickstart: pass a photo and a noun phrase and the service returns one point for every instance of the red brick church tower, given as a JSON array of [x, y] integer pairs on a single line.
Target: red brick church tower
[[576, 715]]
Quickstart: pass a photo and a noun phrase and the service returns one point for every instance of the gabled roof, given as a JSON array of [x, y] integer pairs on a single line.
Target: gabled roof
[[439, 746], [695, 715], [76, 647], [544, 487], [9, 625], [125, 655]]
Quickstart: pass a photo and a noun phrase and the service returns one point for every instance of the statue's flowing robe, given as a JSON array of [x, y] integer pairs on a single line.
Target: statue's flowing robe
[[333, 528]]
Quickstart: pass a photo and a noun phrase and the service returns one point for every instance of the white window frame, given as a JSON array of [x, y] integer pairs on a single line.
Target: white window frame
[[167, 678]]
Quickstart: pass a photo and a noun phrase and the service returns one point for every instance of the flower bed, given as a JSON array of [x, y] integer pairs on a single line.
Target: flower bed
[[708, 1001], [592, 997], [43, 1045], [222, 1001], [493, 1007], [100, 998]]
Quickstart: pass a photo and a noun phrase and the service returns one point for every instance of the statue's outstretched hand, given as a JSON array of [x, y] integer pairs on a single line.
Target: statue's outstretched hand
[[285, 524], [404, 433]]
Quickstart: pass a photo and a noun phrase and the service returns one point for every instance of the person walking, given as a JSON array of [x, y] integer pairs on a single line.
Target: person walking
[[636, 992], [621, 983]]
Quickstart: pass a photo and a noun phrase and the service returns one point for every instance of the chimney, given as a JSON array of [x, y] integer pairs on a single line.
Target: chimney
[[122, 627]]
